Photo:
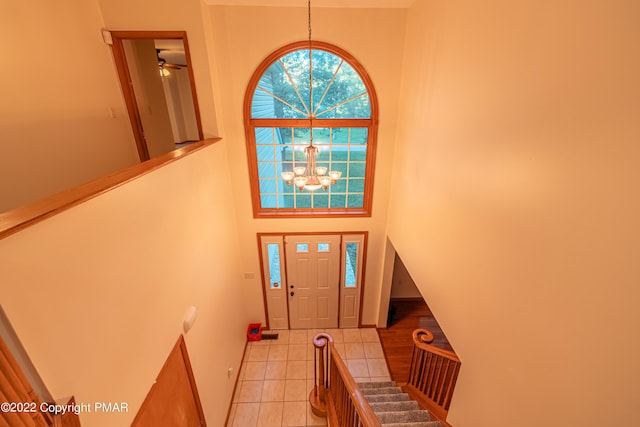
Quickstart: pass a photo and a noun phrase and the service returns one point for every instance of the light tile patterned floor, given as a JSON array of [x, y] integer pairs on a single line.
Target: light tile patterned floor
[[277, 376]]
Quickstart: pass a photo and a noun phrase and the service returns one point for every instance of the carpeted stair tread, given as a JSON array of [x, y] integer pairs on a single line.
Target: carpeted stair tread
[[403, 416], [395, 397], [381, 390], [409, 405], [418, 424], [393, 407], [379, 384]]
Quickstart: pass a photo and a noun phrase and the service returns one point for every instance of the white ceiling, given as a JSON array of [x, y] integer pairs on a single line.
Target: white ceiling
[[395, 4]]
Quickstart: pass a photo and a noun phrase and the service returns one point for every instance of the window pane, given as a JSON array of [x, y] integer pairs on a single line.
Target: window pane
[[355, 201], [275, 96], [346, 96], [338, 201], [268, 200], [356, 170], [351, 265], [323, 247], [283, 92], [303, 200], [359, 136], [267, 170], [356, 185], [320, 199], [274, 265], [268, 186], [302, 247]]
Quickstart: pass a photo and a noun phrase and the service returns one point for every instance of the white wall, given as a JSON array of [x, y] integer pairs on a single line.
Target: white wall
[[97, 294], [62, 117], [515, 203], [242, 37]]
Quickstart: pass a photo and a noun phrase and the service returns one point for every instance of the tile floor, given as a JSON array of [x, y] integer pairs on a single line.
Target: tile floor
[[277, 376]]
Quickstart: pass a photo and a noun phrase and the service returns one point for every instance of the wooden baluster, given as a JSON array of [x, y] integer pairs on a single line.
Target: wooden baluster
[[433, 373], [317, 397]]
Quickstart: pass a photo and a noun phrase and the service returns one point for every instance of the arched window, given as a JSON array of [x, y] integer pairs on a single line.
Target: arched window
[[278, 107]]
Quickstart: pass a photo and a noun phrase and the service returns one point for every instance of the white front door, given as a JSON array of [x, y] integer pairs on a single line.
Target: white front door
[[313, 273]]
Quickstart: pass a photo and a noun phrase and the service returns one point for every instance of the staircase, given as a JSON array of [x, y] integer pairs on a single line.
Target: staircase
[[393, 407]]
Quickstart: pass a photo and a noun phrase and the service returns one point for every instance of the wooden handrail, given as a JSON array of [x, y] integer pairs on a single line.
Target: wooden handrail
[[420, 337], [345, 403], [16, 390], [432, 374], [24, 216]]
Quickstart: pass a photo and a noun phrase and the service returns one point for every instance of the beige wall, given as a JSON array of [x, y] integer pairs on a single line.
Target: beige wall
[[62, 117], [243, 37], [519, 138], [402, 284], [97, 294]]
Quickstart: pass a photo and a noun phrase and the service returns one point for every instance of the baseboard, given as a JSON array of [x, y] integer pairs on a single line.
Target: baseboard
[[371, 325], [235, 386]]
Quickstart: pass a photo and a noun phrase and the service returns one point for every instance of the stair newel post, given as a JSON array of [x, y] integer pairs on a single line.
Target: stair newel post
[[317, 397]]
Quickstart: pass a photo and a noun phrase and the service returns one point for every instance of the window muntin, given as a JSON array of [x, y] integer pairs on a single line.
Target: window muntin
[[344, 108]]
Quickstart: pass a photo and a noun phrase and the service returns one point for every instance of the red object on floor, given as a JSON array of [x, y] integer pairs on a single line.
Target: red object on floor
[[254, 332]]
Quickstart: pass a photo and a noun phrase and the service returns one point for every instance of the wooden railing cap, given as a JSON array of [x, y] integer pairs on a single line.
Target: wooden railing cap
[[321, 339], [422, 339]]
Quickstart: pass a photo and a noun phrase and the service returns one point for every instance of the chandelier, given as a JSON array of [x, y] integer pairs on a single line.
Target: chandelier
[[310, 177]]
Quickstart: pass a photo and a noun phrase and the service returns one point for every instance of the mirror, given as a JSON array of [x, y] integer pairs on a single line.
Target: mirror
[[156, 78]]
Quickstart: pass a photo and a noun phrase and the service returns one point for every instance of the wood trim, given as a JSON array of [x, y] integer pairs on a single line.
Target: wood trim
[[127, 88], [359, 401], [264, 284], [25, 216], [128, 93], [406, 299], [371, 124], [340, 277], [69, 418], [365, 244], [181, 346], [15, 388], [284, 254], [192, 379]]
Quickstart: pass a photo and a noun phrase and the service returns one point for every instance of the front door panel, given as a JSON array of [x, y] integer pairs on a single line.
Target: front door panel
[[313, 271]]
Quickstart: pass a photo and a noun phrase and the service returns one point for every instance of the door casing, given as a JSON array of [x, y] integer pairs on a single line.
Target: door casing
[[282, 291]]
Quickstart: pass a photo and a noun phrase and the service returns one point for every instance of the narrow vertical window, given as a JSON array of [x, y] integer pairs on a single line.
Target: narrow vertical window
[[273, 251], [351, 265]]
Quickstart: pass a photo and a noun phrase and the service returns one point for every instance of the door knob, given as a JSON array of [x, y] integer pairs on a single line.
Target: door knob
[[292, 293], [291, 286]]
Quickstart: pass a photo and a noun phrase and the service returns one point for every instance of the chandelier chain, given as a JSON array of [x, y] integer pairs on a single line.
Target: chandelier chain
[[310, 77]]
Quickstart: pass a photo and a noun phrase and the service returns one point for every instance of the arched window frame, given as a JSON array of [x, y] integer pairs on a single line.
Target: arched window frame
[[251, 124]]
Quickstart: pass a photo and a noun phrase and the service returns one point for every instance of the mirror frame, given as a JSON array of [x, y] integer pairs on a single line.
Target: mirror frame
[[127, 88]]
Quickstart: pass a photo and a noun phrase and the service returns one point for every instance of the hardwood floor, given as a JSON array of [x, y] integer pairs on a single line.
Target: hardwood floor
[[396, 340]]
